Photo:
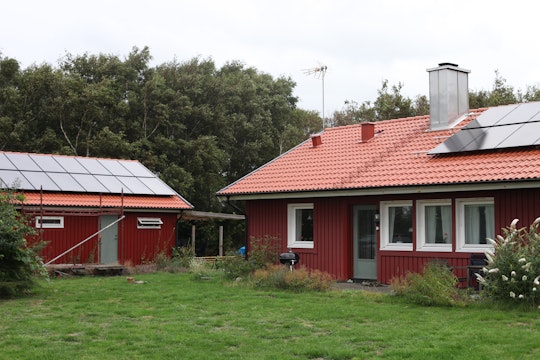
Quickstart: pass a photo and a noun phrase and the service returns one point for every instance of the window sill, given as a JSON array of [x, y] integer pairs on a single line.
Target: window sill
[[297, 245], [436, 248], [397, 247], [474, 248]]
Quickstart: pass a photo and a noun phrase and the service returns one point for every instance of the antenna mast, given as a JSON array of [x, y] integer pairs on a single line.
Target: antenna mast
[[319, 72]]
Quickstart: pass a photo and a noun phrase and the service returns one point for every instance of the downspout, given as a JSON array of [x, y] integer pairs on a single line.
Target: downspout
[[242, 212]]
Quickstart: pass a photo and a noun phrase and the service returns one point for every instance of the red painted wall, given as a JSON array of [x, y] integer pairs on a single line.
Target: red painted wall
[[76, 229], [269, 218], [333, 230], [135, 246], [138, 246]]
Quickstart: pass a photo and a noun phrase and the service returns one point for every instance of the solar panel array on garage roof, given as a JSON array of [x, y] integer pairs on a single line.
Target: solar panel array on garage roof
[[497, 128], [78, 174]]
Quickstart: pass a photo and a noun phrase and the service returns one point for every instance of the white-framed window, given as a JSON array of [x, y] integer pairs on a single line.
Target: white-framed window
[[475, 222], [434, 225], [396, 225], [300, 225], [149, 223], [49, 222]]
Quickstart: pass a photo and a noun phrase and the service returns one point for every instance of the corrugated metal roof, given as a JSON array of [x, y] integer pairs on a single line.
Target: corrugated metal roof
[[396, 156]]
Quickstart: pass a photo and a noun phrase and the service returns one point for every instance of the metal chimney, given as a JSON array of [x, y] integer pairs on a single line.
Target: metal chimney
[[448, 94]]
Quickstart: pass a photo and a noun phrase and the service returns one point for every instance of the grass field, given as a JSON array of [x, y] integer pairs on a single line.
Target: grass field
[[170, 316]]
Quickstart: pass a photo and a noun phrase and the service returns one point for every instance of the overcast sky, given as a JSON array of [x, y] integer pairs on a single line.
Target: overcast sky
[[361, 42]]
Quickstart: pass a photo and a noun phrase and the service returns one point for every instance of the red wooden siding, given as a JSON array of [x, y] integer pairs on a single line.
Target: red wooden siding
[[330, 237], [392, 264], [135, 246], [523, 204], [269, 218], [333, 230], [76, 229]]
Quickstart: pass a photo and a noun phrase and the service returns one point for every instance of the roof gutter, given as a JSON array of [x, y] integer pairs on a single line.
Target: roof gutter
[[397, 190]]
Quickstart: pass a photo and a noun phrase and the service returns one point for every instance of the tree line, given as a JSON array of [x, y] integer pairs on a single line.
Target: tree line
[[391, 104], [199, 127]]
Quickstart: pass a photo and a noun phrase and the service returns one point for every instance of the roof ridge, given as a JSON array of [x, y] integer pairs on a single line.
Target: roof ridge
[[65, 155], [409, 118]]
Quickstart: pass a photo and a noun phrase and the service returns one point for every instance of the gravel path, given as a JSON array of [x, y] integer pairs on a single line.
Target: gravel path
[[365, 286]]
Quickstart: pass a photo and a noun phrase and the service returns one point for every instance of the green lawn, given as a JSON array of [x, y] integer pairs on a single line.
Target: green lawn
[[171, 316]]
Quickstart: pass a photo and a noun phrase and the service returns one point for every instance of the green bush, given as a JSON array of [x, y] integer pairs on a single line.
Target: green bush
[[435, 287], [235, 266], [19, 262], [512, 273], [298, 280], [262, 253]]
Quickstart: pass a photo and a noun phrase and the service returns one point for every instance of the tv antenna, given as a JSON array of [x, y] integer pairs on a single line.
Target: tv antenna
[[319, 73]]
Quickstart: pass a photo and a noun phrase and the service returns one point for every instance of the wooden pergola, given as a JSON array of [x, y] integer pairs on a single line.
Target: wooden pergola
[[192, 215]]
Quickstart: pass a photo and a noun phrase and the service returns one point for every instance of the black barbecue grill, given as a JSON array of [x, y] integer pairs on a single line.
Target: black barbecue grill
[[289, 258]]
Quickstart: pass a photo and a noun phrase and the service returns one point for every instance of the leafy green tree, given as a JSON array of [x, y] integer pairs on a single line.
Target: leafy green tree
[[478, 99], [421, 105], [300, 126], [19, 262], [532, 93], [390, 104], [198, 126], [501, 94]]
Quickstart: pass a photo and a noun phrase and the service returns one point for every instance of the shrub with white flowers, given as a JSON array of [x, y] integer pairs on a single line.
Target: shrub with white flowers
[[513, 267]]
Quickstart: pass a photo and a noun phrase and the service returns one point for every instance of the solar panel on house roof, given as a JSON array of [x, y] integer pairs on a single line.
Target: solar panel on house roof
[[137, 169], [23, 162], [47, 163], [66, 181], [90, 183], [78, 174], [497, 128], [93, 166], [14, 179], [114, 167], [135, 185], [6, 164], [112, 184], [157, 186], [40, 181], [71, 165]]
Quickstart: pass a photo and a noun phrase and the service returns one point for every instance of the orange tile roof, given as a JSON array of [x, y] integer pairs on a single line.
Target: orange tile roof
[[396, 156], [105, 201]]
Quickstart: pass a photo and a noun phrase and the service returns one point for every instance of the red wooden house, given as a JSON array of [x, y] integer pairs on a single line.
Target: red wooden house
[[377, 200], [94, 211]]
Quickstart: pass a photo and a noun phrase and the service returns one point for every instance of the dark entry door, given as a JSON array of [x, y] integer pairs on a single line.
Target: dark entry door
[[365, 242]]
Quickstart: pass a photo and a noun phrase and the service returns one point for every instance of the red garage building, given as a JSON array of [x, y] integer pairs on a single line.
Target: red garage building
[[94, 211]]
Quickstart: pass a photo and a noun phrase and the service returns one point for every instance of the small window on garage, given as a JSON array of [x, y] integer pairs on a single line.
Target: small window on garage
[[149, 223], [50, 222]]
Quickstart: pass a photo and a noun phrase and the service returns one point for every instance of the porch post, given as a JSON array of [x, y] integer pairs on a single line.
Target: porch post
[[220, 240], [193, 238]]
